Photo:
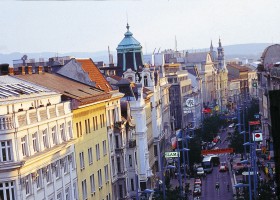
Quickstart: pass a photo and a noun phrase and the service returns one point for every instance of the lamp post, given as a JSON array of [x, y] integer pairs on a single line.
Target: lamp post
[[253, 160], [249, 178]]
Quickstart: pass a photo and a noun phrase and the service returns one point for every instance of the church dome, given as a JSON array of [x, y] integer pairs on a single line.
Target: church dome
[[129, 42]]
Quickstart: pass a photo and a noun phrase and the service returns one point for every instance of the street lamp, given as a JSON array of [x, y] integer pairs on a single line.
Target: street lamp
[[244, 138], [253, 160]]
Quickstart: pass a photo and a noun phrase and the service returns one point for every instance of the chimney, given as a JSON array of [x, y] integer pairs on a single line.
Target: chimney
[[29, 69], [40, 69], [11, 71], [21, 70]]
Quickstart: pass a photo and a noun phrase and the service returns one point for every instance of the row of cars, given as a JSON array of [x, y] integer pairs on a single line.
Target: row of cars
[[197, 187]]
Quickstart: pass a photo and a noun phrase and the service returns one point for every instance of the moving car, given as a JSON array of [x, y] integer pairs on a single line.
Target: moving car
[[223, 167], [200, 171]]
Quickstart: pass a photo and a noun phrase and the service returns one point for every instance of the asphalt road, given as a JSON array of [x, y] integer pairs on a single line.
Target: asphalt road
[[209, 191]]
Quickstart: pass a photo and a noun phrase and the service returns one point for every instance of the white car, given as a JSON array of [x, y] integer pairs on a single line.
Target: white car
[[200, 171]]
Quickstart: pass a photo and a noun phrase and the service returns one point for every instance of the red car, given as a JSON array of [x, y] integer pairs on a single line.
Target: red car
[[197, 181], [223, 167]]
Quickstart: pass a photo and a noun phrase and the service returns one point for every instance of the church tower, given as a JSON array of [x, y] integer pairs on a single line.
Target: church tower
[[221, 57], [129, 53]]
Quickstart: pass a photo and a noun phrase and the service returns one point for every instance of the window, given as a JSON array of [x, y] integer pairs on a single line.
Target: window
[[99, 178], [86, 126], [57, 169], [121, 191], [106, 170], [117, 141], [96, 123], [35, 142], [38, 175], [97, 152], [119, 164], [81, 130], [93, 119], [69, 124], [75, 190], [5, 151], [82, 162], [90, 160], [7, 190], [67, 194], [27, 185], [23, 146], [84, 189], [103, 119], [54, 139], [132, 184], [130, 160], [101, 122], [62, 132], [104, 148], [155, 150], [78, 130], [59, 196], [48, 174], [92, 184], [65, 165], [113, 167], [45, 139], [145, 81]]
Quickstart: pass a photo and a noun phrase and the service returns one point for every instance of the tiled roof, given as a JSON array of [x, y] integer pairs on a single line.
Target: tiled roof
[[238, 67], [117, 78], [196, 57], [94, 74], [73, 89]]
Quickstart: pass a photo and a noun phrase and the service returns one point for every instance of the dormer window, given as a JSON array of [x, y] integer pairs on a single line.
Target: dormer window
[[145, 81]]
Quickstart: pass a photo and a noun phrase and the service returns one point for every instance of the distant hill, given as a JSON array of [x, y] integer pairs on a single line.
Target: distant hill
[[252, 51]]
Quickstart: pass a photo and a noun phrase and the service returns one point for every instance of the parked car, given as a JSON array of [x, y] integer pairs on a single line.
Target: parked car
[[197, 181], [197, 191]]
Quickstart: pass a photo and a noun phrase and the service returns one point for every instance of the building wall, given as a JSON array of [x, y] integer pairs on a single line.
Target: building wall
[[40, 142], [92, 135]]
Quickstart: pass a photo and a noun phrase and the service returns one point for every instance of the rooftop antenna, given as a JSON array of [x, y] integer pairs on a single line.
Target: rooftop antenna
[[175, 43]]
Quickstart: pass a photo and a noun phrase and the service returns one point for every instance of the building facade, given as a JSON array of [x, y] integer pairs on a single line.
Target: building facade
[[37, 142]]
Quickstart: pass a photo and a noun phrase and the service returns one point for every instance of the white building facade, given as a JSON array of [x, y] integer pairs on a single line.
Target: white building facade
[[37, 152]]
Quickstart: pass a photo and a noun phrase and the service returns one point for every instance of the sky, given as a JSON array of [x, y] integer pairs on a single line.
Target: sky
[[91, 26]]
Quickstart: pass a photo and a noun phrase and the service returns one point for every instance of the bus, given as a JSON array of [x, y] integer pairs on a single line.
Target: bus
[[209, 162]]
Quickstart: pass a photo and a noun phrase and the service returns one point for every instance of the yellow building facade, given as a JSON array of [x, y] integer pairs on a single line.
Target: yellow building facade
[[92, 152]]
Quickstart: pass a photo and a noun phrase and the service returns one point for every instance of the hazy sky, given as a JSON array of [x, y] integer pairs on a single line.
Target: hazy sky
[[89, 26]]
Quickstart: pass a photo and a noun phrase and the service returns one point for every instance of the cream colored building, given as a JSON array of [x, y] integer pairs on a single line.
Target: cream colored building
[[37, 159]]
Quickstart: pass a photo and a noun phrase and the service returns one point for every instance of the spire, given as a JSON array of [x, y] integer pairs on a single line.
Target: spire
[[211, 46], [127, 27], [220, 44]]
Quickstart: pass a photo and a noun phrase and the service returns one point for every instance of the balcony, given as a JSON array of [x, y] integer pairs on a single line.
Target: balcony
[[118, 125], [6, 123]]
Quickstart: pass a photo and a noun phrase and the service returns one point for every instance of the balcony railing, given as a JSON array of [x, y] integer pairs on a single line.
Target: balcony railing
[[6, 123]]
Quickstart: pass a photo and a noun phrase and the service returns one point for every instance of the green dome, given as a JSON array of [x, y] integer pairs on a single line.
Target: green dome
[[129, 42]]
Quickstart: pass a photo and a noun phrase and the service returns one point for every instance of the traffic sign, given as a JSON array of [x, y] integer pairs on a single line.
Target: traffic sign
[[257, 137], [172, 154]]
